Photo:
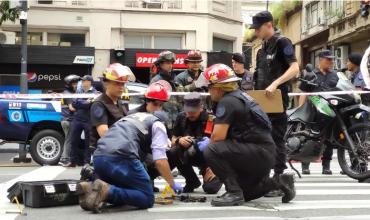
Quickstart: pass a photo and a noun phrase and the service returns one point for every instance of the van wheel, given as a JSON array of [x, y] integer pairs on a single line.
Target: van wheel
[[46, 147]]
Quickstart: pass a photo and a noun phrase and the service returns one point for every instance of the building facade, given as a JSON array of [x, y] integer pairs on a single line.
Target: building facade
[[143, 28]]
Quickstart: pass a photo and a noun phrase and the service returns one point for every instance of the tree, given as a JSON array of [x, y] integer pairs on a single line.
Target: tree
[[7, 13]]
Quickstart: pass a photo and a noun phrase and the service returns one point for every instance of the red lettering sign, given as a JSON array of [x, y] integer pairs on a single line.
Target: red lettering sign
[[147, 59]]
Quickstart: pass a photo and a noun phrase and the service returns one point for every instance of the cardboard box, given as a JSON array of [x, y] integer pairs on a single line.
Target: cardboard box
[[269, 104]]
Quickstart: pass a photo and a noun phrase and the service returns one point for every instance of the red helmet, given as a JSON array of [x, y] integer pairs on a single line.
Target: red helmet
[[194, 56], [220, 73], [159, 91]]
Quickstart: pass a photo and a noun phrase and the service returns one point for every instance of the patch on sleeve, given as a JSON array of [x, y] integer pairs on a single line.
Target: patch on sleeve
[[98, 111], [220, 111], [288, 50]]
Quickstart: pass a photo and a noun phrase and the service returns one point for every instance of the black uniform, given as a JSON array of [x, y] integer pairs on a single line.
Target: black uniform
[[273, 60], [184, 161], [247, 80], [104, 111], [243, 161], [326, 82]]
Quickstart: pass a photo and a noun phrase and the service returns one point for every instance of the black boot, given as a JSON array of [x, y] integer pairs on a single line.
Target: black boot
[[287, 186], [326, 167], [228, 199], [306, 168], [275, 192], [233, 196]]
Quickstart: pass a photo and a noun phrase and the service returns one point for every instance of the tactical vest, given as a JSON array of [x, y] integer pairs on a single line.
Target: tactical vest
[[129, 138], [247, 82], [144, 123], [115, 112], [259, 117], [270, 67]]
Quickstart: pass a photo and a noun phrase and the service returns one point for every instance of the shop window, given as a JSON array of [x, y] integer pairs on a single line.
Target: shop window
[[153, 41], [220, 44], [67, 40], [79, 2], [164, 42], [132, 4], [45, 2], [138, 41], [32, 38], [174, 4]]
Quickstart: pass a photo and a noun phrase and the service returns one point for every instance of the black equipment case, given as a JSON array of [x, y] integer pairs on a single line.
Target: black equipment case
[[46, 193]]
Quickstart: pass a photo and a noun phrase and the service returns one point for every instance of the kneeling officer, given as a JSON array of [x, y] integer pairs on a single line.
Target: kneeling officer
[[241, 151], [117, 161]]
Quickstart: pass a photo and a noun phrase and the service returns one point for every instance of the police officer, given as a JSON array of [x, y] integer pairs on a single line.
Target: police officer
[[190, 127], [81, 124], [353, 65], [117, 161], [238, 62], [109, 107], [327, 79], [186, 79], [276, 65], [241, 151], [67, 116]]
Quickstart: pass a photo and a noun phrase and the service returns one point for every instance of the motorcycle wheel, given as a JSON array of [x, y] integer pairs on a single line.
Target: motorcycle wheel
[[356, 168]]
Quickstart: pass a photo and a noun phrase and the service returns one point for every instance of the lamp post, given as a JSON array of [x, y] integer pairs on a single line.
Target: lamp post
[[23, 21]]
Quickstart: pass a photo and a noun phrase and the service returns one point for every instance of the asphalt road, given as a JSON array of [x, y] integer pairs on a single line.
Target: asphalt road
[[318, 197]]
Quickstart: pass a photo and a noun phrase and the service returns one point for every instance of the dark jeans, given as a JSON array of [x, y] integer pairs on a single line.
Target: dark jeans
[[279, 127], [129, 182], [75, 131], [242, 167]]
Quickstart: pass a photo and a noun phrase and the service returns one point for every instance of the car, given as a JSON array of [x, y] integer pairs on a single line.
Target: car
[[36, 123], [136, 100]]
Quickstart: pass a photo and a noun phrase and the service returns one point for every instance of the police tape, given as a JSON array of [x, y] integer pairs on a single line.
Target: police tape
[[91, 96]]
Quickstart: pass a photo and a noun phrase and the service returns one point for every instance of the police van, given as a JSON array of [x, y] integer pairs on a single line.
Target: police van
[[36, 124]]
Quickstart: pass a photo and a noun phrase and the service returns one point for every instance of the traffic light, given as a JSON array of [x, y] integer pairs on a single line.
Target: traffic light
[[365, 8]]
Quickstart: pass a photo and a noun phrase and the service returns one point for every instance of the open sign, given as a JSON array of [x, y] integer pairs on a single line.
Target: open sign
[[147, 60]]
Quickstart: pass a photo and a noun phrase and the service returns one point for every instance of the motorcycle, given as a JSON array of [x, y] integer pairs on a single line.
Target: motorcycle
[[343, 124]]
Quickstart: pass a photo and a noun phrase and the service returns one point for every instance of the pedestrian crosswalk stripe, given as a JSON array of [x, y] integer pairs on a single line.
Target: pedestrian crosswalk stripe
[[324, 204], [356, 217], [340, 184], [333, 192], [263, 206], [206, 208]]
